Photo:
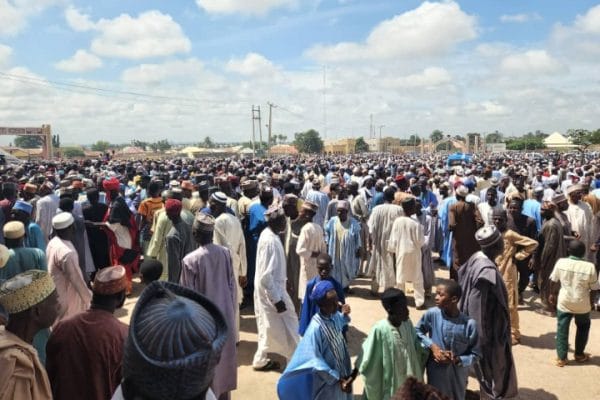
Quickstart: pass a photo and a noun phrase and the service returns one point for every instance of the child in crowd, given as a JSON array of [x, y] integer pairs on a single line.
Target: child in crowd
[[150, 270], [391, 352], [452, 337], [309, 307]]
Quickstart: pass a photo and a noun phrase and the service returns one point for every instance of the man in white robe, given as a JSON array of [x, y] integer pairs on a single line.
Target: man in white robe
[[580, 216], [276, 318], [311, 242], [381, 263], [46, 208], [405, 242]]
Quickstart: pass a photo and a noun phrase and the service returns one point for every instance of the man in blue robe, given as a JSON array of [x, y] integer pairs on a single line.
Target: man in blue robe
[[342, 235], [320, 367], [256, 224]]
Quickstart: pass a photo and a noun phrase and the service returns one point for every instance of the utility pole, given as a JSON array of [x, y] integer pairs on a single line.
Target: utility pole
[[371, 130], [255, 119], [271, 105], [325, 102], [381, 145]]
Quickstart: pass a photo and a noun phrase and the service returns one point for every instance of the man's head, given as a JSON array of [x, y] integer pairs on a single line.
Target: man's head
[[575, 193], [461, 192], [203, 228], [538, 193], [93, 195], [324, 265], [308, 210], [490, 240], [14, 234], [290, 206], [151, 270], [394, 303], [173, 210], [109, 288], [353, 188], [576, 248], [217, 203], [560, 201], [29, 191], [515, 206], [31, 301], [66, 204], [63, 224], [388, 194], [154, 189], [325, 296], [175, 340], [275, 218], [343, 208], [266, 197], [21, 211], [409, 206], [547, 210]]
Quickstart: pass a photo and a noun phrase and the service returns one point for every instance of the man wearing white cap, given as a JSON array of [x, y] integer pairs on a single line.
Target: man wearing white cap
[[30, 300], [276, 318], [63, 264], [46, 208], [580, 216]]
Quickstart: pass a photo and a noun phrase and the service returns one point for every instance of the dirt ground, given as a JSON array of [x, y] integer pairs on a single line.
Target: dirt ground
[[538, 377]]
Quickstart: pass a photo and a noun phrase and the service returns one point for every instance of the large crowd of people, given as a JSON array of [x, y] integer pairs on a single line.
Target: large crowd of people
[[286, 238]]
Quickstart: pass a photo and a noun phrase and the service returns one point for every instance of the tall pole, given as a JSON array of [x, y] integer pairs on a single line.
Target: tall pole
[[324, 102], [259, 129], [381, 146], [371, 133], [270, 128]]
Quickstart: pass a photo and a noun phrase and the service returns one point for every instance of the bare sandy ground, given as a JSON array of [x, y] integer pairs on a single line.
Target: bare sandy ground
[[539, 378]]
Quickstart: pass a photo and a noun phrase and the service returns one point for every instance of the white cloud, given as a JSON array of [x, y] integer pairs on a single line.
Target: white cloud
[[590, 22], [520, 18], [81, 61], [14, 14], [151, 34], [532, 62], [429, 30], [5, 54], [154, 74], [252, 65], [247, 7], [77, 21], [429, 78]]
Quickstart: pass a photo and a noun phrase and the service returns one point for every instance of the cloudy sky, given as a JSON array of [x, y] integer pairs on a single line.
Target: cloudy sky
[[182, 70]]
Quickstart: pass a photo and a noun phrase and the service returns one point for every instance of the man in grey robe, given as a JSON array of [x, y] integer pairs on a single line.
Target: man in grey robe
[[426, 261], [485, 299], [294, 224], [179, 241], [208, 271]]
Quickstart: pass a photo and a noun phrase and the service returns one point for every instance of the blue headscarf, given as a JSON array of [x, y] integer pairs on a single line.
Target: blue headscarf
[[320, 290]]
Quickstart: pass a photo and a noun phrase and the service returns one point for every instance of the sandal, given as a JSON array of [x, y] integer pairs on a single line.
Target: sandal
[[561, 363], [581, 358], [270, 366]]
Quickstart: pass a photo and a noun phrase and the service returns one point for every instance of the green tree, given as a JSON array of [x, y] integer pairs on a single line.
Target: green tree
[[580, 137], [436, 136], [139, 143], [29, 142], [413, 140], [208, 143], [595, 137], [161, 145], [361, 146], [72, 152], [101, 145], [308, 142], [282, 138]]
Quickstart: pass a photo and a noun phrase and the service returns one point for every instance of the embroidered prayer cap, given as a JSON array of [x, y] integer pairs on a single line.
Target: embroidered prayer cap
[[487, 236], [462, 190], [25, 290], [558, 198], [4, 255], [548, 206], [173, 207], [273, 212], [219, 197], [23, 206], [204, 222], [320, 290], [62, 220], [409, 201], [110, 280], [14, 230], [574, 188], [290, 199], [30, 188], [174, 344], [309, 205], [343, 205]]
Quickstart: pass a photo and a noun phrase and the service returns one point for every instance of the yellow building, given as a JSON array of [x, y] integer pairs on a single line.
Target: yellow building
[[339, 146]]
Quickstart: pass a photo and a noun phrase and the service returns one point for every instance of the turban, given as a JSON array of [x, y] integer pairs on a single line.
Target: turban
[[111, 184], [320, 290]]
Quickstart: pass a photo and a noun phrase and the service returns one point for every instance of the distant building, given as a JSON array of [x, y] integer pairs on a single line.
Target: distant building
[[283, 150], [339, 146]]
